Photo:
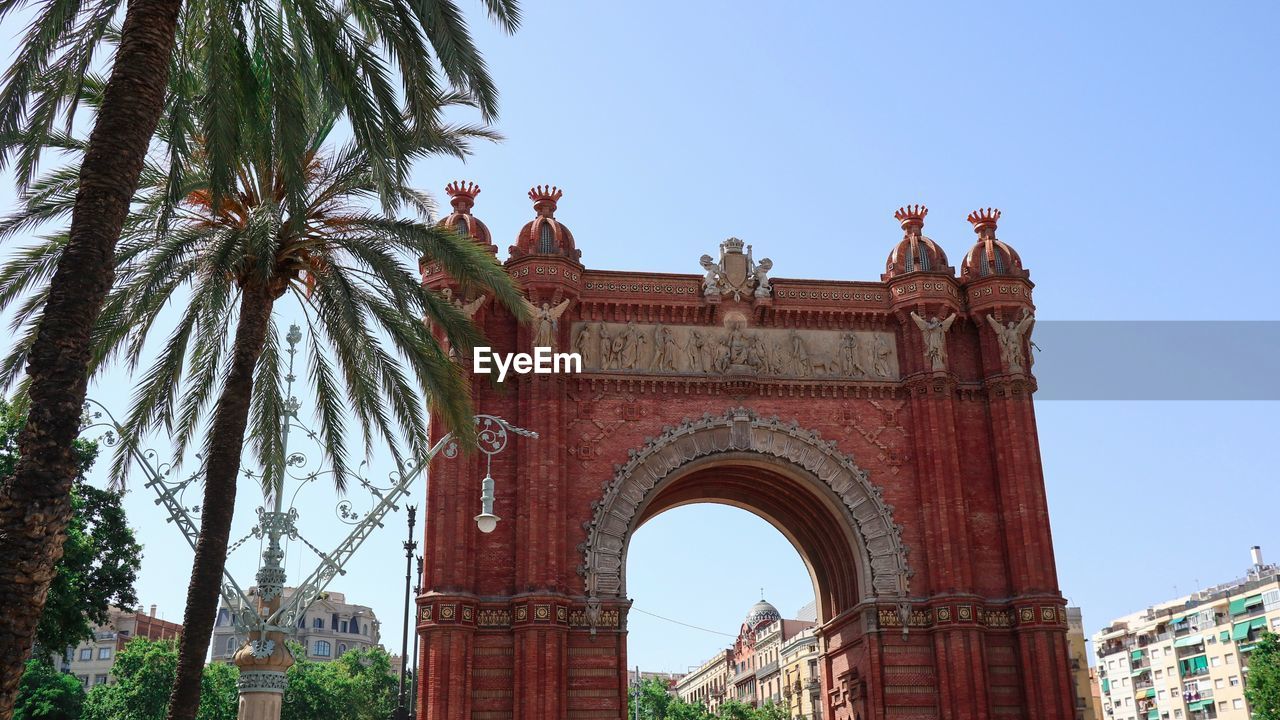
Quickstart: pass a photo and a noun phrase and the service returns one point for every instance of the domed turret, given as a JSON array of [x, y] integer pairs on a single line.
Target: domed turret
[[544, 235], [762, 613], [989, 256], [462, 196], [915, 252]]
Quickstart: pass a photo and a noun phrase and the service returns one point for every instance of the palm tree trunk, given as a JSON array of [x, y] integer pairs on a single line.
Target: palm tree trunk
[[36, 504], [222, 468]]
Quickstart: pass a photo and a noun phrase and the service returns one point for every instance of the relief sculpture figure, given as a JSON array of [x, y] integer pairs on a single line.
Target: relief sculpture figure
[[696, 350], [545, 319], [664, 348], [881, 353], [584, 345]]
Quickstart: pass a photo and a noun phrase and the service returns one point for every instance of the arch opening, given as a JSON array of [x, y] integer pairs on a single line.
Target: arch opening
[[804, 486]]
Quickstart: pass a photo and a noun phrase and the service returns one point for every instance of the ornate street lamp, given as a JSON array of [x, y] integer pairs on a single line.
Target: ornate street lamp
[[402, 710], [269, 618]]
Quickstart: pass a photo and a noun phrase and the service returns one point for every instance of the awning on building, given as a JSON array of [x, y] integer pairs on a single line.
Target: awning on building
[[1193, 665], [1224, 636], [1136, 654], [1240, 630], [1239, 605], [1139, 671], [1153, 714], [1199, 705], [1106, 685], [1188, 641], [1148, 693]]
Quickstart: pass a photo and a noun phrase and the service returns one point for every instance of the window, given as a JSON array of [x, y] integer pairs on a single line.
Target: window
[[1234, 680], [1219, 683], [342, 626], [461, 227], [546, 238], [86, 654], [100, 679], [1177, 713], [1237, 704], [1158, 674], [366, 630], [1215, 661], [1230, 658], [322, 648], [1160, 695], [84, 680], [231, 645], [104, 653], [1222, 705], [318, 623], [341, 649]]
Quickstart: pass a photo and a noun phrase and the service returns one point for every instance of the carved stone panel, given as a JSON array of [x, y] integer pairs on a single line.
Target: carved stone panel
[[707, 350]]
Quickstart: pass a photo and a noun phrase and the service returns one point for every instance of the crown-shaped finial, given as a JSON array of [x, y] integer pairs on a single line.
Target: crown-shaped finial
[[463, 194], [911, 215], [544, 198], [984, 219]]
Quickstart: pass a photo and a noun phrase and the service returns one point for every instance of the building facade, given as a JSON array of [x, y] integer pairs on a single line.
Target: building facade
[[885, 426], [332, 626], [1081, 675], [707, 685], [91, 661], [802, 686], [1186, 659]]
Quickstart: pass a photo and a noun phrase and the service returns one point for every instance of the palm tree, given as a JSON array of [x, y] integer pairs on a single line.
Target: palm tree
[[231, 43], [226, 263]]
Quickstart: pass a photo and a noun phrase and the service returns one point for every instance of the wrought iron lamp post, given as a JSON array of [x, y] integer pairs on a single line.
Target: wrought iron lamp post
[[410, 545], [270, 618]]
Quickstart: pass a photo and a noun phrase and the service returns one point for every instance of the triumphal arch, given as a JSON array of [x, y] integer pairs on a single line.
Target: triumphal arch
[[885, 427]]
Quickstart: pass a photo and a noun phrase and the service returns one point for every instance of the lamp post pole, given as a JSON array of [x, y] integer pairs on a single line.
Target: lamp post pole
[[410, 545], [413, 689]]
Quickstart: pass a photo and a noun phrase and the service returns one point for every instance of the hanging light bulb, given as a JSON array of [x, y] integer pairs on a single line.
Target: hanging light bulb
[[486, 520]]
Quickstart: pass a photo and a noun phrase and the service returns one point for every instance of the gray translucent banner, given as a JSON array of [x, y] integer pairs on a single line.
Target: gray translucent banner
[[1157, 360]]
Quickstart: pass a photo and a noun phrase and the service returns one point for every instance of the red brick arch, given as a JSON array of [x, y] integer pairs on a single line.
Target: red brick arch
[[804, 486], [906, 374]]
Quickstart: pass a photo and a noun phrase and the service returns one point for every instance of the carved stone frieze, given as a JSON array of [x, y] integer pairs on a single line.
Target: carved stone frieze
[[739, 430], [736, 350]]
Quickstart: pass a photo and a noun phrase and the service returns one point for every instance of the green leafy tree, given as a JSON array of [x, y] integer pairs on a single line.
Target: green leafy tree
[[253, 57], [680, 710], [1262, 685], [224, 263], [46, 694], [771, 711], [143, 673], [358, 685], [100, 559]]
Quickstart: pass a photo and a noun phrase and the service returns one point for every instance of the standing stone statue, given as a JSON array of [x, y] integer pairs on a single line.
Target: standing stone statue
[[633, 342], [850, 363], [664, 348], [881, 353], [696, 350], [801, 365], [935, 338], [607, 357], [545, 321], [584, 345], [1010, 337]]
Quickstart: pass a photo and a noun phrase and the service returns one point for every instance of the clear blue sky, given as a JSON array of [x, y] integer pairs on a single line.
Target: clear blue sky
[[1131, 146]]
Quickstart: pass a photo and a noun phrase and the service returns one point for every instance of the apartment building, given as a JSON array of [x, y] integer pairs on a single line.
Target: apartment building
[[331, 627], [91, 661], [706, 685], [1081, 675], [802, 683], [1187, 659]]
